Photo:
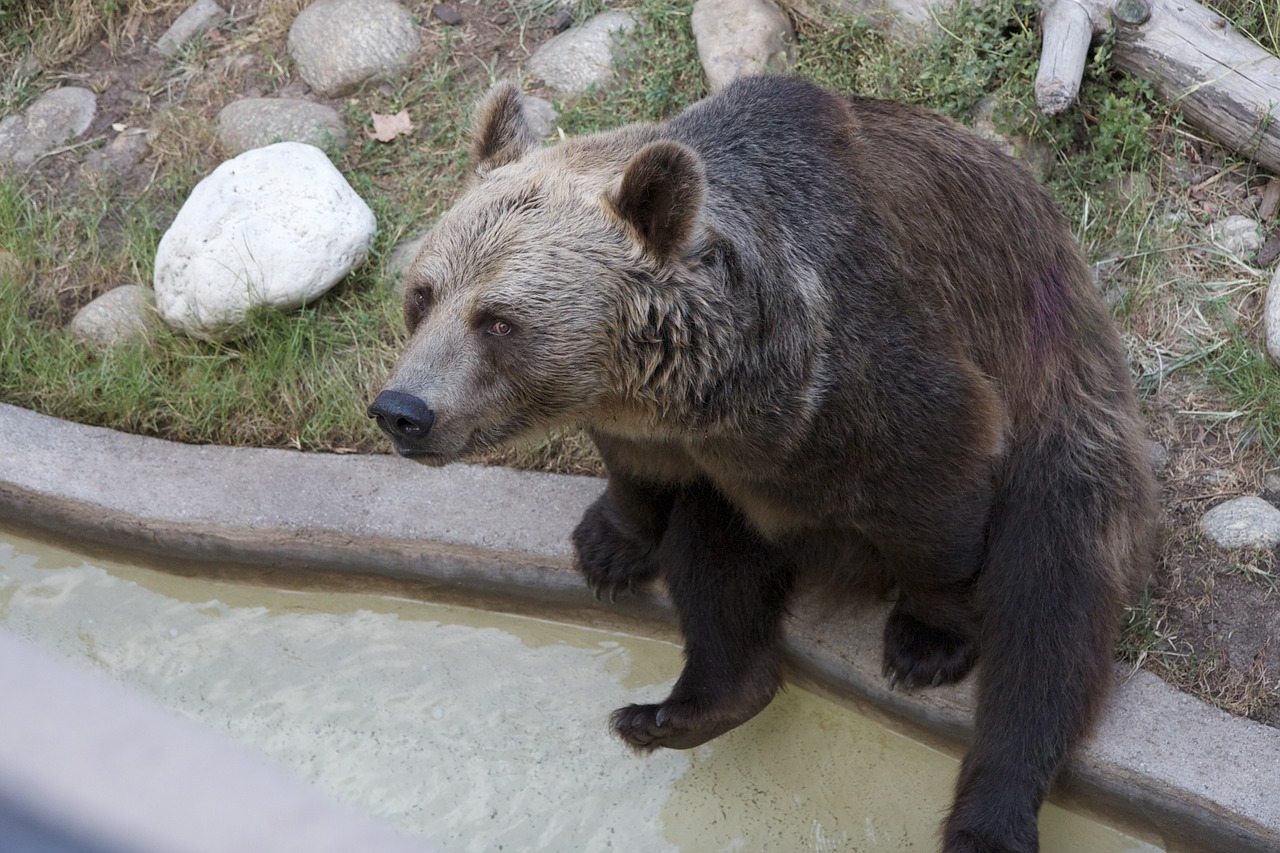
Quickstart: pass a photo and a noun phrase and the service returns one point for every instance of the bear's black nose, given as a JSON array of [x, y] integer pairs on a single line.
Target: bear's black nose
[[402, 416]]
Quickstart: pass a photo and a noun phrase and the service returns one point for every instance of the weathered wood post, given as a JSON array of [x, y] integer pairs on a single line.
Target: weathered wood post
[[1224, 83]]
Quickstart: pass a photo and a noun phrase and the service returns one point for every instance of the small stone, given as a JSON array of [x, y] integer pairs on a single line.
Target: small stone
[[121, 154], [1271, 318], [540, 115], [561, 22], [1248, 522], [1237, 235], [199, 17], [1269, 252], [1215, 476], [582, 57], [49, 121], [396, 270], [1159, 455], [446, 14], [122, 315], [276, 226], [737, 38], [254, 122], [339, 45]]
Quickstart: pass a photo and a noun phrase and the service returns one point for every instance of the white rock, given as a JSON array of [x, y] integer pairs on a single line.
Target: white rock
[[1238, 235], [49, 121], [340, 44], [1247, 522], [737, 38], [581, 57], [275, 226], [199, 16], [123, 314], [1271, 318]]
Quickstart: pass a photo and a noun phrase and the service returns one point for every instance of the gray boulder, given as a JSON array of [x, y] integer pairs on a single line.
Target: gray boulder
[[119, 316], [1237, 235], [341, 44], [1271, 318], [198, 17], [49, 121], [581, 57], [737, 38], [1247, 522], [255, 122]]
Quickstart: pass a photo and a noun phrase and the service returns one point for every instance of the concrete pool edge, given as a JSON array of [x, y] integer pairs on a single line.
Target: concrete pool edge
[[1157, 761]]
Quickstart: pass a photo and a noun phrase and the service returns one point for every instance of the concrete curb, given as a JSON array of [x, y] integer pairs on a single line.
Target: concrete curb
[[1162, 763]]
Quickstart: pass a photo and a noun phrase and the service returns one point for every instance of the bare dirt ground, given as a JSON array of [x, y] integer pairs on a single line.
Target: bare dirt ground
[[1211, 621]]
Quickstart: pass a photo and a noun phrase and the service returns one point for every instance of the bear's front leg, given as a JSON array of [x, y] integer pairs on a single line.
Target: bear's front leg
[[730, 590], [617, 540]]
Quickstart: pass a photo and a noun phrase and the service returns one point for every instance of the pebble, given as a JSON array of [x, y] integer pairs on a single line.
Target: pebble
[[276, 226], [198, 17], [1237, 235], [254, 122], [339, 45], [1271, 318], [540, 115], [49, 121], [121, 154], [561, 22], [122, 315], [737, 38], [582, 57], [446, 14], [1248, 522]]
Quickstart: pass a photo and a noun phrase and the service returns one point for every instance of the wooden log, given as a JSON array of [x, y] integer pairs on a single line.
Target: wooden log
[[1068, 27], [1224, 83]]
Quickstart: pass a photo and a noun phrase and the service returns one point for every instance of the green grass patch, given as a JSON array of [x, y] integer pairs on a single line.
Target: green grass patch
[[1251, 385], [300, 379]]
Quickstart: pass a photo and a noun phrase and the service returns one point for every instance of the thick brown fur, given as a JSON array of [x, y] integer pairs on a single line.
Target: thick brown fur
[[812, 336]]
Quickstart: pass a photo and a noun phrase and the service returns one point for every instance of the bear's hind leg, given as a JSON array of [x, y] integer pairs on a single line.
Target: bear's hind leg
[[730, 591]]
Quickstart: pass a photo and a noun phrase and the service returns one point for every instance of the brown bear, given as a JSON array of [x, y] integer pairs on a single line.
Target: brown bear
[[813, 336]]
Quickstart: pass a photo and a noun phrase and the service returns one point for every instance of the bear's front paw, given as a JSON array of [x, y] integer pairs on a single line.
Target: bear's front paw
[[916, 654], [671, 725], [1007, 826], [611, 559], [967, 842]]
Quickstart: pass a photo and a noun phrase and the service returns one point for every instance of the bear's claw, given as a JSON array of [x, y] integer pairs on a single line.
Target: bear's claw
[[649, 727], [611, 560], [916, 654]]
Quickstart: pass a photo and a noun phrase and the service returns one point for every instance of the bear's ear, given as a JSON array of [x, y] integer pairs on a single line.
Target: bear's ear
[[500, 133], [661, 196]]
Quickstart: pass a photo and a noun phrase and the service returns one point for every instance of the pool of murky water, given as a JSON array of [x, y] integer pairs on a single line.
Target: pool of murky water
[[484, 731]]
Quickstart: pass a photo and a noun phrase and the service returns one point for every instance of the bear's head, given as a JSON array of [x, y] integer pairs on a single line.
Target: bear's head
[[547, 294]]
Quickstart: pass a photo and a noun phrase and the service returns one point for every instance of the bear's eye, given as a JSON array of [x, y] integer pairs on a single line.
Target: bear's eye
[[499, 328], [420, 299]]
